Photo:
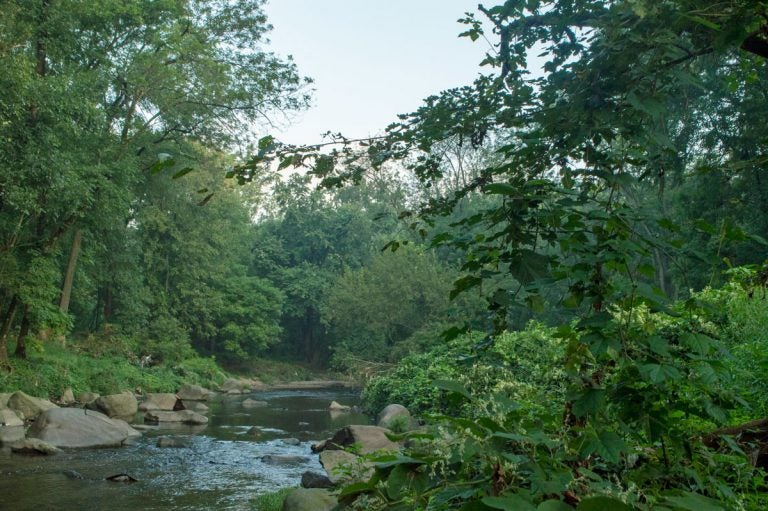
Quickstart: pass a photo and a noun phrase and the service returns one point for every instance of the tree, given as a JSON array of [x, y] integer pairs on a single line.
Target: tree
[[99, 92]]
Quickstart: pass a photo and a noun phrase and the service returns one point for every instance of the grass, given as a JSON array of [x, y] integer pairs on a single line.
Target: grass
[[272, 501]]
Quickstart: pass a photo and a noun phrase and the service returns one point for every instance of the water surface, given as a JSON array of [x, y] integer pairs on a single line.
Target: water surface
[[220, 467]]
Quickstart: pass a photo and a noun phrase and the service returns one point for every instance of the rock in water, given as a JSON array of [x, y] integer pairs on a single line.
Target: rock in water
[[28, 406], [278, 459], [120, 478], [118, 405], [315, 480], [309, 499], [168, 441], [252, 403], [253, 432], [369, 438], [161, 401], [183, 416], [76, 428], [336, 407], [193, 393], [34, 446]]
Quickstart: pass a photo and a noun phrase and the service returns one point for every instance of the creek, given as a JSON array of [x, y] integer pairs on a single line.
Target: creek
[[219, 468]]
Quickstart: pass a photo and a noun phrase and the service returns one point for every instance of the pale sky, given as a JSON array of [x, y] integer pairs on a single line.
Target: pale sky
[[371, 59]]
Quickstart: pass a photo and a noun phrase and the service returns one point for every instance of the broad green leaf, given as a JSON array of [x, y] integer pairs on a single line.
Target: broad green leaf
[[602, 504], [355, 489], [700, 344], [693, 502], [509, 503], [501, 189], [590, 402], [452, 386], [554, 505], [659, 373], [610, 446]]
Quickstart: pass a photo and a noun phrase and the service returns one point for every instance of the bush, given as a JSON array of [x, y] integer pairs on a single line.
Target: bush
[[48, 373], [519, 365]]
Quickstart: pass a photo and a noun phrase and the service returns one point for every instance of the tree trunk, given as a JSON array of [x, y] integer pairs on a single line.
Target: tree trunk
[[21, 340], [7, 322], [69, 276]]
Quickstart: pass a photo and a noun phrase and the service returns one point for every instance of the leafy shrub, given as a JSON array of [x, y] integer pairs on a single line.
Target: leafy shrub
[[520, 365]]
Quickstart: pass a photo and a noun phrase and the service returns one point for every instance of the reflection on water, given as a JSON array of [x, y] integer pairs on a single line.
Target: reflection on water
[[220, 467]]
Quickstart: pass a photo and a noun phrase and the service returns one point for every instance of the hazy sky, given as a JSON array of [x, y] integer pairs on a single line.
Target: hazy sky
[[371, 59]]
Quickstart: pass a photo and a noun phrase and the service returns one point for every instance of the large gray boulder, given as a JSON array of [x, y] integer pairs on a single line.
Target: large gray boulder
[[182, 416], [118, 405], [9, 418], [28, 407], [161, 401], [309, 499], [367, 439], [80, 428], [4, 397], [193, 393], [392, 413]]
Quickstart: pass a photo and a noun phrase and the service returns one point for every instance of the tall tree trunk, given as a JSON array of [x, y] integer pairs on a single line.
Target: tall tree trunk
[[21, 340], [7, 322], [69, 276]]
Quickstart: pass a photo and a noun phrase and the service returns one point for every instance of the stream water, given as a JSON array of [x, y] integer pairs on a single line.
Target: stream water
[[220, 467]]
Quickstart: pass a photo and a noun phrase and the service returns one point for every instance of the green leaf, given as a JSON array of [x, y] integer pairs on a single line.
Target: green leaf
[[463, 284], [705, 22], [589, 403], [452, 386], [602, 504], [501, 189], [509, 503], [356, 489], [698, 343], [182, 172], [693, 502], [659, 373], [608, 445], [554, 505]]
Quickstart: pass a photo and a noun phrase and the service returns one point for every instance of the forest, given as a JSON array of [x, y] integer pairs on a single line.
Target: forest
[[561, 268]]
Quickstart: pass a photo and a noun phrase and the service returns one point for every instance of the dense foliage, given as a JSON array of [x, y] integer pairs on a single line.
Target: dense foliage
[[627, 164], [552, 297]]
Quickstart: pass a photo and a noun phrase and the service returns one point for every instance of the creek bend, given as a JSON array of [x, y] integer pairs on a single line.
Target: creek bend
[[220, 466]]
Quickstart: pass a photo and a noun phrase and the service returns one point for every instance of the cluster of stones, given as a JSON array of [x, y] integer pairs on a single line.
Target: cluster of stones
[[341, 457], [31, 425]]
